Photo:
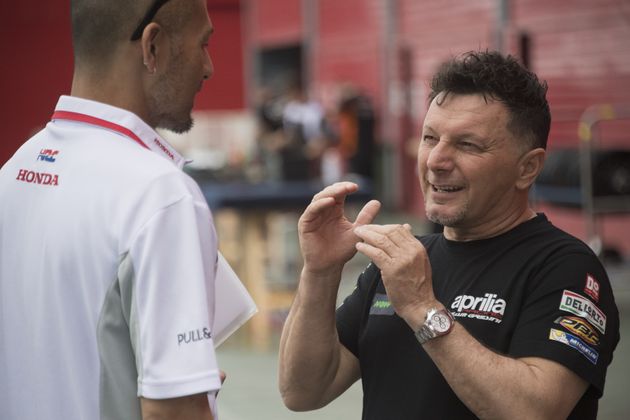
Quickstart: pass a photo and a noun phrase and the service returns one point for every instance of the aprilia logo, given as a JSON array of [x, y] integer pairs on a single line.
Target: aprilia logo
[[487, 308], [41, 178]]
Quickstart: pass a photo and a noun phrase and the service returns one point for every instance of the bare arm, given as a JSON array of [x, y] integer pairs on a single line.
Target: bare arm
[[496, 386], [314, 368], [193, 407], [489, 384]]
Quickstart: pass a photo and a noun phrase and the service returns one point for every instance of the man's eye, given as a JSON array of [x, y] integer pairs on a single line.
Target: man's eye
[[469, 146]]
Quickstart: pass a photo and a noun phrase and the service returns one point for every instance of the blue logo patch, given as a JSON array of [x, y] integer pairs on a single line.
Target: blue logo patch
[[572, 341], [48, 155]]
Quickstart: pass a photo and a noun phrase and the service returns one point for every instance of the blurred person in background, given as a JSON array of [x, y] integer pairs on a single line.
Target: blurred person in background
[[356, 133], [501, 315], [303, 122], [107, 249], [270, 137]]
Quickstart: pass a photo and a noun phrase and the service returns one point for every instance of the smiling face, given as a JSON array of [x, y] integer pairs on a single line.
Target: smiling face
[[469, 165]]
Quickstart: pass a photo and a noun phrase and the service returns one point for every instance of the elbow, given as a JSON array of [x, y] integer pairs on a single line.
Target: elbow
[[298, 401], [294, 404]]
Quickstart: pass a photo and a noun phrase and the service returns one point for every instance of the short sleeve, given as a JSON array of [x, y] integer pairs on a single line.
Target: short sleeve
[[570, 317], [352, 310], [173, 261]]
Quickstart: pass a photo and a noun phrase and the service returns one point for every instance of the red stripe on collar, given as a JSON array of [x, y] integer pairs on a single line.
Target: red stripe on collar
[[76, 116]]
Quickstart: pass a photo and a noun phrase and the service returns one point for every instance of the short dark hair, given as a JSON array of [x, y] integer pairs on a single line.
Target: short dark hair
[[99, 26], [504, 79]]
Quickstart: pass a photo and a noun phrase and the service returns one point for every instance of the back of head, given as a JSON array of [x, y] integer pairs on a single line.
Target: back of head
[[100, 26], [500, 78]]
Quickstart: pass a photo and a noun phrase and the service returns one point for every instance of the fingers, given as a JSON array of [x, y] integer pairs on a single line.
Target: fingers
[[319, 205], [375, 254], [386, 235], [368, 213], [390, 239], [327, 205], [338, 191]]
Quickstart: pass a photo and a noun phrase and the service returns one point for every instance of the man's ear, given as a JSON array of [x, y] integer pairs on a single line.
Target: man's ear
[[151, 37], [529, 166]]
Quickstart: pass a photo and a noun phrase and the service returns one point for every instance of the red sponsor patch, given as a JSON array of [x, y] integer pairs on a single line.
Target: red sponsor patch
[[592, 287], [41, 178]]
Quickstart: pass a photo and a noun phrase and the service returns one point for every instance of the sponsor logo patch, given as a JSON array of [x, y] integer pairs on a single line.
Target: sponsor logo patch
[[194, 336], [164, 149], [381, 305], [580, 328], [582, 307], [591, 287], [487, 308], [48, 155], [41, 178], [572, 341]]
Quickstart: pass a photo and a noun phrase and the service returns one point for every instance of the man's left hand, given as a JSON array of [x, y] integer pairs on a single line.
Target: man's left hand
[[405, 269]]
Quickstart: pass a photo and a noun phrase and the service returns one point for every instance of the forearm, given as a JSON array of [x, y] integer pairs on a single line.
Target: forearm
[[496, 386], [309, 347]]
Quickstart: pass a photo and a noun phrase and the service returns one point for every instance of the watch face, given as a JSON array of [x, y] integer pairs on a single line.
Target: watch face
[[440, 322]]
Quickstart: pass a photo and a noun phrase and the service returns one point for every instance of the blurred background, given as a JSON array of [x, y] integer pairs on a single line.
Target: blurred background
[[308, 92]]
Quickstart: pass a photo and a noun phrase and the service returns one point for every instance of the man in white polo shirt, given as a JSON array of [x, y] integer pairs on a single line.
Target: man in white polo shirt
[[107, 249]]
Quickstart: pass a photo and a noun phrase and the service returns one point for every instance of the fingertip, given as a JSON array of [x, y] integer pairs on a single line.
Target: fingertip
[[350, 186]]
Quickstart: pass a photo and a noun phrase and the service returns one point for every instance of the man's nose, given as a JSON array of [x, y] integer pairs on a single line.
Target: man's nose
[[441, 157], [208, 69]]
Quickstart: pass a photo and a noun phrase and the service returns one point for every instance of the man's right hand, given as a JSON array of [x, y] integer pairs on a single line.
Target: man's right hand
[[326, 236]]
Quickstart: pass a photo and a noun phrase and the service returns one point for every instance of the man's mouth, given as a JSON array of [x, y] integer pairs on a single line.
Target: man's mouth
[[446, 188]]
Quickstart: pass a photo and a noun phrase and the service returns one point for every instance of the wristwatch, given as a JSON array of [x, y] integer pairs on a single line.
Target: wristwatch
[[438, 322]]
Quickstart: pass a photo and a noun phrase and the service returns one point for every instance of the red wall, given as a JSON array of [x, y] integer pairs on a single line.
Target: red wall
[[36, 51], [36, 67], [275, 22], [226, 89], [349, 47], [582, 49]]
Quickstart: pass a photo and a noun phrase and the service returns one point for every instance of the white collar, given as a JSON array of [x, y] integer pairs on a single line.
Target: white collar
[[118, 120]]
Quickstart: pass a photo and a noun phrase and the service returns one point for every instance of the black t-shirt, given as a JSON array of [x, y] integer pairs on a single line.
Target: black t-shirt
[[534, 291]]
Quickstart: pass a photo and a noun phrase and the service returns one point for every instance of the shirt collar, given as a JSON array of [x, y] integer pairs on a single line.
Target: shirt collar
[[127, 121]]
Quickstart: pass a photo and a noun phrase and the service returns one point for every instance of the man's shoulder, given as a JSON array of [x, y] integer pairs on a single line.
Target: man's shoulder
[[544, 232]]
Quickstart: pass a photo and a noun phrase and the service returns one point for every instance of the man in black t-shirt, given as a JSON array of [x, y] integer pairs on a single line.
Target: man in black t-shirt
[[501, 315]]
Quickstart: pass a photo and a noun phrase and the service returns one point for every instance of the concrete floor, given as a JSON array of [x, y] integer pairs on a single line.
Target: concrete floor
[[251, 390]]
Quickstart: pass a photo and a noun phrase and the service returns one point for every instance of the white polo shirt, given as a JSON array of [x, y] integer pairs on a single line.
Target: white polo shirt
[[107, 261]]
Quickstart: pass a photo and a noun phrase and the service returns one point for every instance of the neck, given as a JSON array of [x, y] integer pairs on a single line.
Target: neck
[[490, 230], [113, 87]]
